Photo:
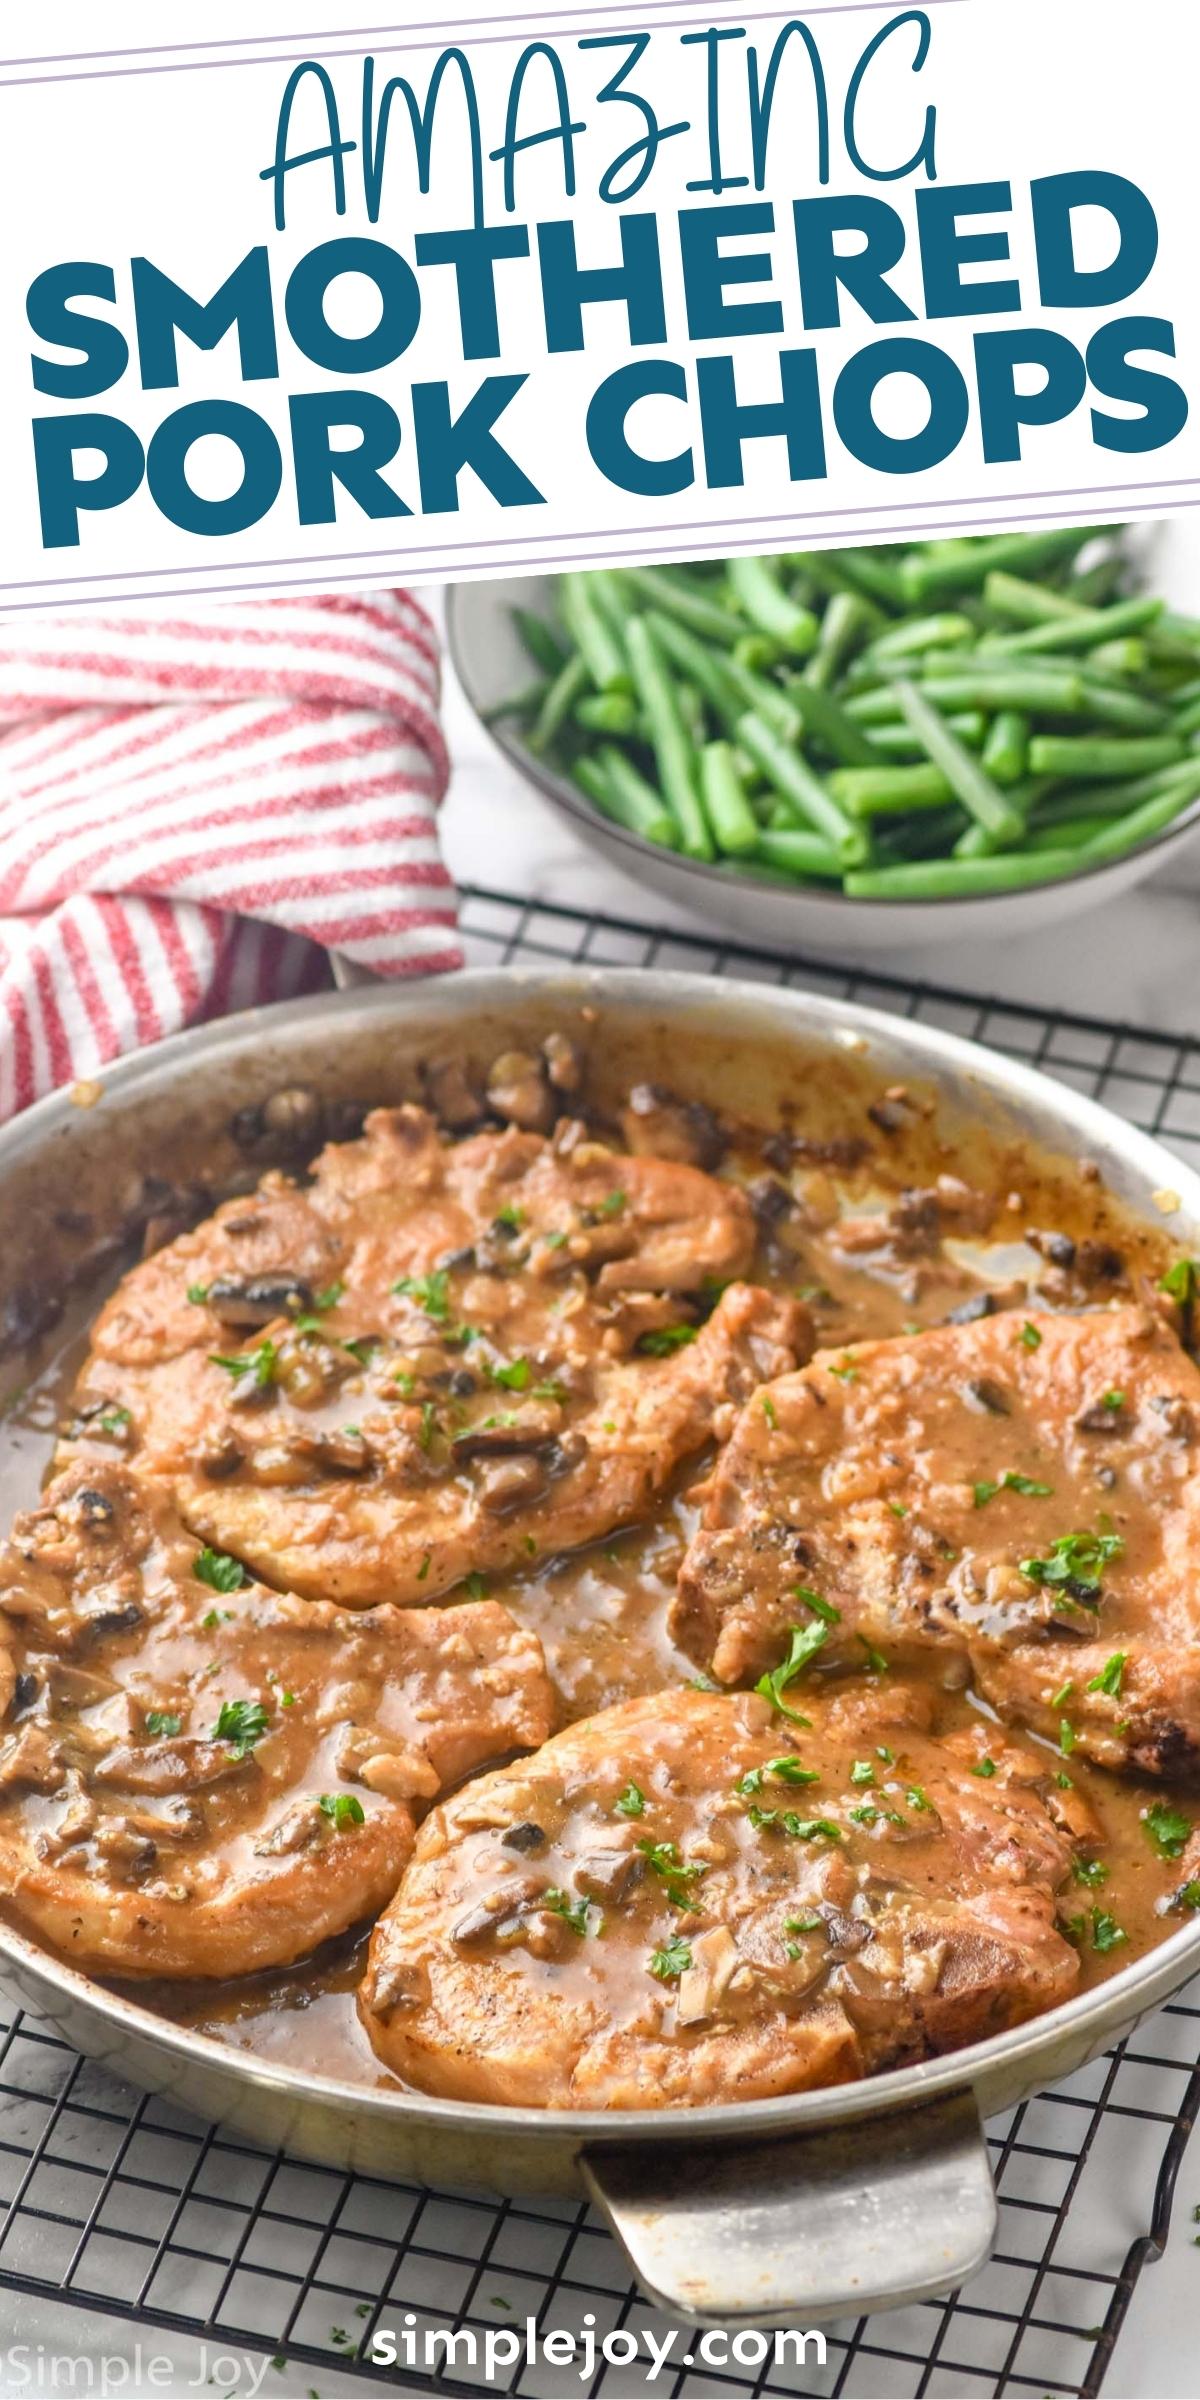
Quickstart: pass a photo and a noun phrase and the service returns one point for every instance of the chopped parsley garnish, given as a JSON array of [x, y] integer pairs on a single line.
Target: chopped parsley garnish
[[1188, 1896], [405, 1383], [1011, 1482], [423, 1569], [162, 1721], [920, 1801], [845, 1370], [784, 1770], [806, 1640], [1073, 1564], [329, 1298], [554, 1241], [1090, 1871], [428, 1424], [215, 1617], [876, 1662], [984, 1767], [342, 1809], [1166, 1828], [632, 1802], [197, 1293], [242, 1723], [363, 1348], [888, 1756], [252, 1366], [862, 1771], [1179, 1282], [431, 1292], [578, 1914], [1114, 1402], [475, 1586], [514, 1376], [1110, 1675], [674, 1873], [1029, 1337], [672, 1961], [551, 1391], [510, 1216], [664, 1340], [1062, 1695], [897, 1508], [802, 1829], [824, 1609], [864, 1814], [612, 1204], [1106, 1933], [218, 1570], [804, 1924], [1066, 1736], [1063, 1782], [769, 1412]]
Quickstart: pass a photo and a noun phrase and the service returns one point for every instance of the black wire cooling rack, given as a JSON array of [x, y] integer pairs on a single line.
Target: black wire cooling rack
[[113, 2202]]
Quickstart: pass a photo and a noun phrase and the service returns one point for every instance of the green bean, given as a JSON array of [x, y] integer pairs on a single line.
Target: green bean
[[822, 569], [569, 686], [846, 623], [791, 776], [959, 878], [823, 719], [1082, 629], [888, 791], [921, 633], [1187, 720], [598, 646], [663, 590], [1114, 799], [1115, 706], [1006, 748], [735, 828], [875, 575], [1072, 836], [1097, 756], [755, 585], [967, 570], [795, 852], [673, 747], [540, 640], [899, 741], [1126, 658], [619, 792], [756, 650], [1038, 691], [710, 671], [981, 798], [1125, 833], [607, 712], [1028, 603]]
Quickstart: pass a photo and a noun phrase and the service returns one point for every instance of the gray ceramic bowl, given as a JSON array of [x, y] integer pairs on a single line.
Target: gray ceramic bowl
[[491, 663]]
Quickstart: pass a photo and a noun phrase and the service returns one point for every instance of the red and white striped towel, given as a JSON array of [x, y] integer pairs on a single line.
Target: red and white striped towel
[[195, 808]]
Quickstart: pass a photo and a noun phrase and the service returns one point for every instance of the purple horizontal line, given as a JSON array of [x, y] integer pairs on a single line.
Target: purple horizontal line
[[685, 526], [354, 33], [385, 565]]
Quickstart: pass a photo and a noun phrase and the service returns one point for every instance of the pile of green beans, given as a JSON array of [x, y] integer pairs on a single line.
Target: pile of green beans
[[923, 722]]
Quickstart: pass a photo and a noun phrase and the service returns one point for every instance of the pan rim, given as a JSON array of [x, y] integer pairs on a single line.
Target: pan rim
[[1028, 2050]]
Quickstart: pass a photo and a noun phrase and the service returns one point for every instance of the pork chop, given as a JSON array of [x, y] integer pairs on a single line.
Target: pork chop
[[1020, 1493], [199, 1776], [516, 1343], [689, 1898]]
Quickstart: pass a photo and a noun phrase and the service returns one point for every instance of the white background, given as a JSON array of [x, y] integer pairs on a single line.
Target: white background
[[105, 158]]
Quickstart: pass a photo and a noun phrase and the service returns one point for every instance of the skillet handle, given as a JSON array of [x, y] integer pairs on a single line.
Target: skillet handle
[[875, 2214]]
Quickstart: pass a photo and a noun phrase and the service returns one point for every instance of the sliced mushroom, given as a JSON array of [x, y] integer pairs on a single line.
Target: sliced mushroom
[[256, 1300], [657, 1124], [519, 1091], [703, 1985], [509, 1482], [451, 1095], [188, 1764]]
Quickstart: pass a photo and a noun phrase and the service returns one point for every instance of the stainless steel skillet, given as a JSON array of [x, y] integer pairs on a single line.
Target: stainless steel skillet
[[869, 2196]]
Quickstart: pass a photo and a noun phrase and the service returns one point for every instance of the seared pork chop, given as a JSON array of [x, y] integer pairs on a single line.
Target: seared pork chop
[[690, 1898], [1022, 1493], [512, 1345], [199, 1776]]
